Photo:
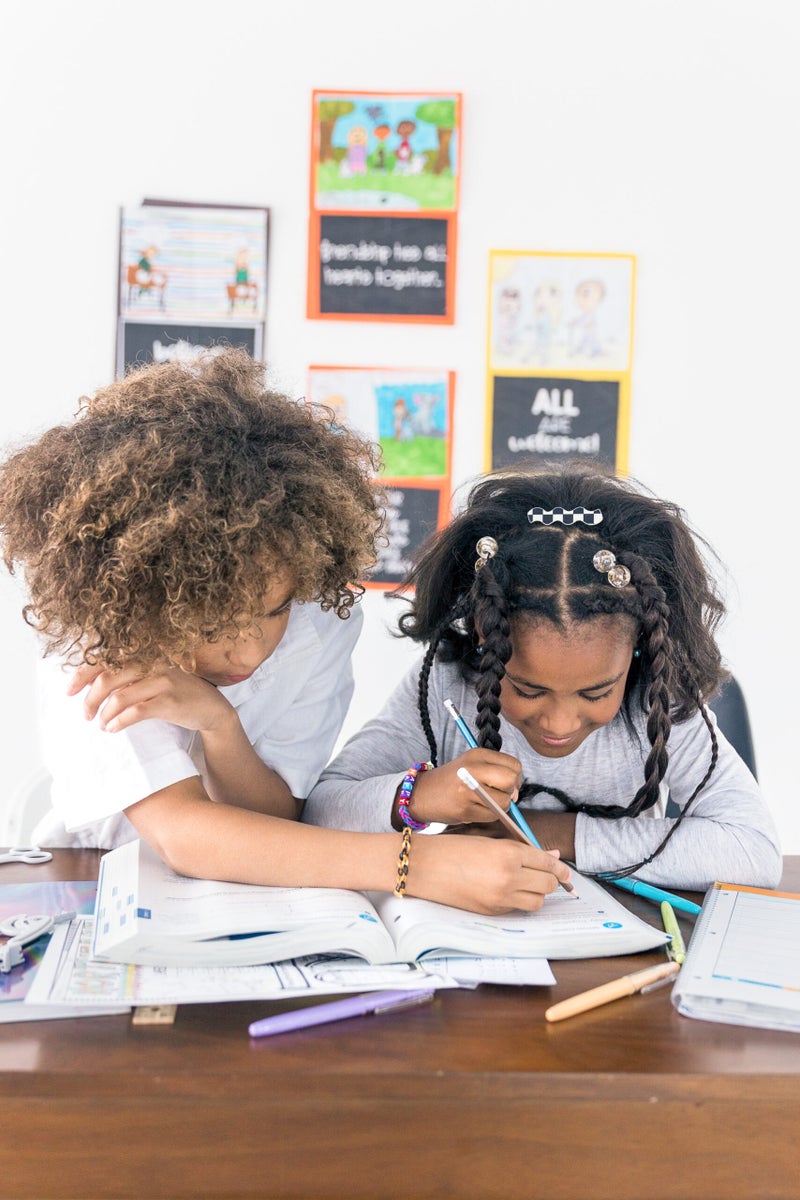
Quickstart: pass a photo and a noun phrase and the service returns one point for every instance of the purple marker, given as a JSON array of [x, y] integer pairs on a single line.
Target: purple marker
[[339, 1010]]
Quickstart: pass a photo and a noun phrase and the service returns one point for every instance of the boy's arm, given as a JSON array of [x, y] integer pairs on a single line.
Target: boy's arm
[[236, 775], [216, 841]]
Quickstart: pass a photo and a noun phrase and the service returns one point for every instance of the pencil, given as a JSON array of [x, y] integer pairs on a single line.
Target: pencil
[[472, 783], [469, 738]]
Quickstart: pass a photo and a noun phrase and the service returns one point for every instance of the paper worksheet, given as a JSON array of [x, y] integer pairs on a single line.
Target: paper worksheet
[[69, 974]]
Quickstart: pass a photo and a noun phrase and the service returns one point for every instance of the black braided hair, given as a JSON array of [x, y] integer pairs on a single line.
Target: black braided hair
[[546, 572]]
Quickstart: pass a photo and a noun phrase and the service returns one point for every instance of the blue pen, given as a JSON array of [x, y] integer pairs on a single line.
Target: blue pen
[[648, 892], [469, 738]]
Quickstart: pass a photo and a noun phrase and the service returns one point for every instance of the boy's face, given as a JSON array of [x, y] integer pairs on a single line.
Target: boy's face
[[233, 658]]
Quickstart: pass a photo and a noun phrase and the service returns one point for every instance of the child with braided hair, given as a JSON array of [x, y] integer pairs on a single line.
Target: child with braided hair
[[189, 544], [569, 615]]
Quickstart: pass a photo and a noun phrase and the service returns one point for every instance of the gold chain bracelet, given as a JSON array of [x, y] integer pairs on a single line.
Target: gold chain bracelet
[[402, 864]]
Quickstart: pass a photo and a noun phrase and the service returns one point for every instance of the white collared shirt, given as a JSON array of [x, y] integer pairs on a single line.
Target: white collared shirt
[[291, 709]]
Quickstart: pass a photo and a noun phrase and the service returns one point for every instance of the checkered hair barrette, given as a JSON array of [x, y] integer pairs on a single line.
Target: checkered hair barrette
[[564, 516], [606, 563]]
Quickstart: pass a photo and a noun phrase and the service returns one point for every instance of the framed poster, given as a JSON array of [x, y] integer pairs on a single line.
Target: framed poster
[[383, 204], [408, 413], [191, 270], [153, 341], [559, 354]]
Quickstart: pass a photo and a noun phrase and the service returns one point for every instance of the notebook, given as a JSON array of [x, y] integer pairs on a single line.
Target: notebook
[[742, 966]]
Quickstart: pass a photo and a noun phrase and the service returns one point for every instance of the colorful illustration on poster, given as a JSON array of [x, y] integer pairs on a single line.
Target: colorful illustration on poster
[[385, 151], [193, 263], [406, 412], [561, 312]]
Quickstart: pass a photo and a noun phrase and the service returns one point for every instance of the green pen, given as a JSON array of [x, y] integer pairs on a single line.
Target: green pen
[[676, 948]]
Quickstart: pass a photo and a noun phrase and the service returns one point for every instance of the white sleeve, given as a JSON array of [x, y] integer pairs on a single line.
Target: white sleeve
[[307, 715], [97, 774]]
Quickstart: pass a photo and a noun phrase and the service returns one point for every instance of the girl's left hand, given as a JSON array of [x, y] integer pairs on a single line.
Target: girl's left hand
[[440, 795]]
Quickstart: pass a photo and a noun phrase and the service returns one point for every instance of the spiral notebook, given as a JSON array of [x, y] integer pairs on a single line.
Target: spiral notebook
[[743, 962]]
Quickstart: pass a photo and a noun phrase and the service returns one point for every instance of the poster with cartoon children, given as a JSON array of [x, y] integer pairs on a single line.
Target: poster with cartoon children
[[561, 312], [560, 346], [409, 414], [385, 152], [191, 262], [384, 184]]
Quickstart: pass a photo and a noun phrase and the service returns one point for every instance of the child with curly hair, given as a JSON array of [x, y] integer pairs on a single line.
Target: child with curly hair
[[189, 545], [570, 614]]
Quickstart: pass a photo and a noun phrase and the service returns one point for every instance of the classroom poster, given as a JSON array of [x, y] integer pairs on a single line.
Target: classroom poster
[[409, 414], [559, 357], [190, 277], [383, 205]]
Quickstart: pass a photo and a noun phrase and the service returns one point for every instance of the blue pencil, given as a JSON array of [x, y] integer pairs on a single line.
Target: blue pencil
[[469, 738]]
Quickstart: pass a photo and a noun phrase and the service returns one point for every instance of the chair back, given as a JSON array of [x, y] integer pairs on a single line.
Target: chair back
[[729, 707]]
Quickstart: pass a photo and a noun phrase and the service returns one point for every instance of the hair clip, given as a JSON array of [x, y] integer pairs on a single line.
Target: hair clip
[[487, 548], [564, 516], [606, 563]]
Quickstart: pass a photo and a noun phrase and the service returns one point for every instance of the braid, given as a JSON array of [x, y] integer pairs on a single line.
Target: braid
[[422, 690], [491, 616], [657, 649]]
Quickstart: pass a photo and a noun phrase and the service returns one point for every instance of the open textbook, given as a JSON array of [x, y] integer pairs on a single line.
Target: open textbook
[[743, 962], [147, 914]]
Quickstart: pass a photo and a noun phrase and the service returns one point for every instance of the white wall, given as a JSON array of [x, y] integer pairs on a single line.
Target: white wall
[[663, 128]]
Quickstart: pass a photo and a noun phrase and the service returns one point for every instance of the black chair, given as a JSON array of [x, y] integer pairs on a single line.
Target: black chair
[[729, 707]]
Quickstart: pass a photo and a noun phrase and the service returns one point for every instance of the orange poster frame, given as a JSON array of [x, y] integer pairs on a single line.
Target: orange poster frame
[[395, 246]]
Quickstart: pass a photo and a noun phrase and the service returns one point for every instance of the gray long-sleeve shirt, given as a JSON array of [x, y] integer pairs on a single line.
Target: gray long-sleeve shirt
[[727, 835]]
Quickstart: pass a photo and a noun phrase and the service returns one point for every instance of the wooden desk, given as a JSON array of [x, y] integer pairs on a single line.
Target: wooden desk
[[473, 1096]]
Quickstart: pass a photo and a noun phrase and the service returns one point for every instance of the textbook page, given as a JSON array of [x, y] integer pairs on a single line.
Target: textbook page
[[595, 925], [743, 962]]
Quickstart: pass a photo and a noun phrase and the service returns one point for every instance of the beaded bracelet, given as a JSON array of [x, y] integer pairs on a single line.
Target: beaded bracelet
[[402, 864], [404, 798]]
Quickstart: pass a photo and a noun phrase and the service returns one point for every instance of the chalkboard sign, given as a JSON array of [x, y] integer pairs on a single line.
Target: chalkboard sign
[[143, 342], [545, 417], [386, 266], [412, 513]]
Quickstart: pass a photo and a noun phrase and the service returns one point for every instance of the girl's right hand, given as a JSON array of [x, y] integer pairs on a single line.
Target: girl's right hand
[[439, 795], [481, 874]]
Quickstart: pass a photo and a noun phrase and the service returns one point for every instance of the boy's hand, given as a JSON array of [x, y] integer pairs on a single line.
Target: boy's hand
[[441, 796], [123, 698]]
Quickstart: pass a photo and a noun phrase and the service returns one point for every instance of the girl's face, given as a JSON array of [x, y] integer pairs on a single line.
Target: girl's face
[[559, 687], [233, 658]]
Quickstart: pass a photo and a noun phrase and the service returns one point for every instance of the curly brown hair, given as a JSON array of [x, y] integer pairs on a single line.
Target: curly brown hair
[[165, 511]]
